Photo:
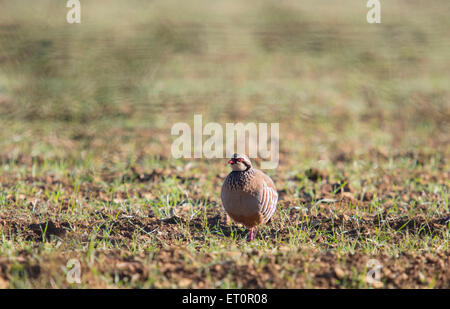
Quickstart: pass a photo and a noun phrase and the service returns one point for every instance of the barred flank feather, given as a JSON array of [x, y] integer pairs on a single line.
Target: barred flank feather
[[268, 203]]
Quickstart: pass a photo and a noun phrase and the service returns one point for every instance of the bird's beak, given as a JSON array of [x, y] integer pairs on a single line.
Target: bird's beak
[[231, 162]]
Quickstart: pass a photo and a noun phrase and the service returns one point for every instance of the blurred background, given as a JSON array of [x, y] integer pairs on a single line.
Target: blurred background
[[112, 86]]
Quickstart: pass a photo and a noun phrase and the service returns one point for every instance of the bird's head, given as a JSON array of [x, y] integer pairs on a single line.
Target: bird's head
[[240, 162]]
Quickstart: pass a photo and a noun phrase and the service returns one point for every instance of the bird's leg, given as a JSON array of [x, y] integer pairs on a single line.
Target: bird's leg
[[228, 220], [251, 234]]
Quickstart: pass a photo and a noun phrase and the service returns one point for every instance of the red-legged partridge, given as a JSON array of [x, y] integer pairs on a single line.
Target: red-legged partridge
[[248, 195]]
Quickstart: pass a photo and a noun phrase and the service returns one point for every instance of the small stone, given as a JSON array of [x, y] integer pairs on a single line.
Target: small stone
[[185, 282], [377, 284], [3, 283], [340, 273]]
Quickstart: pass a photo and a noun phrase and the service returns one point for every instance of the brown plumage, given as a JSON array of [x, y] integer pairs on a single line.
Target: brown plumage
[[248, 195]]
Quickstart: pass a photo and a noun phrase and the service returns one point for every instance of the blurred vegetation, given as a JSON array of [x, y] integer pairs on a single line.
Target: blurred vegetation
[[140, 58], [70, 72]]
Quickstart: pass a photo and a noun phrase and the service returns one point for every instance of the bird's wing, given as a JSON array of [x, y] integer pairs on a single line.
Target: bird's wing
[[268, 203]]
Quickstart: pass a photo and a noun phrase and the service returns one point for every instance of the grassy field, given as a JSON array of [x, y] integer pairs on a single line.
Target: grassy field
[[86, 171]]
